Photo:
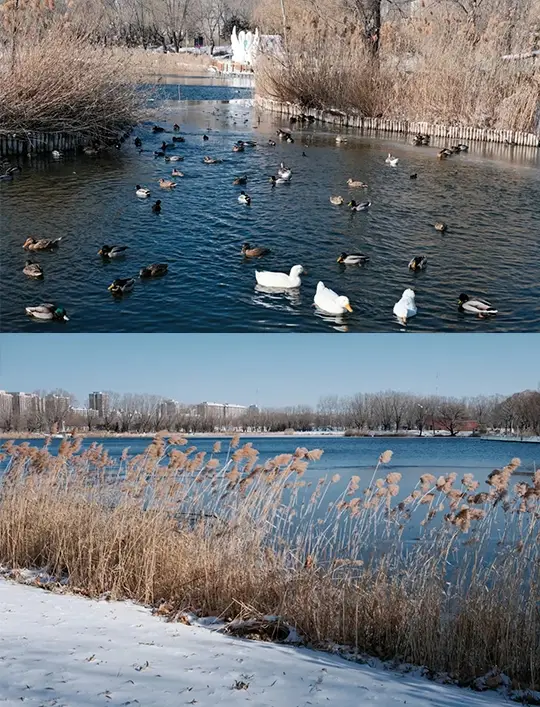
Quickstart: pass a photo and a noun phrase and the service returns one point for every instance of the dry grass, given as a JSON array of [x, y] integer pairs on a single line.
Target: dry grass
[[205, 531], [60, 83], [431, 67]]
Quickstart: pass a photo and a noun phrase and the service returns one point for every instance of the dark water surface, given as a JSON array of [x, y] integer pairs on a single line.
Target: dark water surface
[[489, 197]]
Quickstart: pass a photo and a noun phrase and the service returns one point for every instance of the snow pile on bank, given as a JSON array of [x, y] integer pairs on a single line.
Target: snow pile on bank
[[67, 651]]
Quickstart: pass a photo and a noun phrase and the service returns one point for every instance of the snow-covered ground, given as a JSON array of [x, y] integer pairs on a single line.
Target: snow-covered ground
[[67, 651]]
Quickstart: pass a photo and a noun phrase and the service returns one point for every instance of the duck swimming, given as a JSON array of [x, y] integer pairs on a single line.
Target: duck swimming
[[353, 259], [419, 262], [337, 200], [272, 143], [138, 142], [250, 252], [244, 198], [284, 173], [57, 154], [47, 312], [156, 208], [177, 173], [32, 269], [142, 192], [391, 160], [440, 226], [176, 128], [121, 285], [42, 244], [475, 305], [278, 180], [178, 138], [362, 206], [174, 158], [329, 301], [154, 270], [238, 148], [340, 140], [112, 251], [158, 129], [237, 181], [352, 183], [210, 160], [406, 307], [167, 183], [280, 280], [205, 138]]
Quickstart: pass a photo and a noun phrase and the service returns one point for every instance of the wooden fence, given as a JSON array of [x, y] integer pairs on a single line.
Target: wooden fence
[[38, 143], [454, 132]]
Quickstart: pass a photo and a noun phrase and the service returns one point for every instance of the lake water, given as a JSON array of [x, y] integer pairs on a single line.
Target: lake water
[[489, 197]]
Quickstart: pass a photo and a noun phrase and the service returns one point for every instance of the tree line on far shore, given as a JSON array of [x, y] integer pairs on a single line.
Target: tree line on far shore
[[388, 411]]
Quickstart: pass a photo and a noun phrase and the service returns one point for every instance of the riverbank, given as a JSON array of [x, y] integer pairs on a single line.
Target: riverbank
[[77, 651]]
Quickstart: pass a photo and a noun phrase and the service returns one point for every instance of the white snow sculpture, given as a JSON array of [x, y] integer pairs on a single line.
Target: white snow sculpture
[[244, 46]]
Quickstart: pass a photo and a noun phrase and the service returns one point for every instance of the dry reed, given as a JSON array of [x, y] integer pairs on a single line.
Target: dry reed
[[172, 527]]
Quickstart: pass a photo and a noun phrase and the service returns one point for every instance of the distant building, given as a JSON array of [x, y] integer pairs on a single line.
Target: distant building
[[168, 408], [6, 405], [221, 412], [99, 402], [56, 406], [24, 403]]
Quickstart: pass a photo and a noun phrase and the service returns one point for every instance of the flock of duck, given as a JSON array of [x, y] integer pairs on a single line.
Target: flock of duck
[[325, 299]]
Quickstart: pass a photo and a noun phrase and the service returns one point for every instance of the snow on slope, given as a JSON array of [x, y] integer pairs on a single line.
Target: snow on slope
[[68, 651]]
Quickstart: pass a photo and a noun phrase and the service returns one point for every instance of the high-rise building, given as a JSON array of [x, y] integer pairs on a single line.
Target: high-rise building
[[6, 405], [56, 406], [25, 403], [99, 401]]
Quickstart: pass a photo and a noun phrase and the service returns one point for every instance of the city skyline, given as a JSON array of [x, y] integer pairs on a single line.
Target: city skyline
[[243, 369]]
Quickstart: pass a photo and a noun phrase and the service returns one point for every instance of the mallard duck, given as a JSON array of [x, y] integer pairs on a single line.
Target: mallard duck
[[238, 148], [112, 251], [237, 181], [177, 173], [205, 138], [272, 143], [249, 143], [280, 280], [142, 192], [284, 173], [250, 252], [444, 153], [167, 146], [391, 160], [57, 154], [440, 226], [121, 285], [154, 270], [174, 158], [41, 244], [158, 129], [159, 153], [406, 307], [353, 259], [32, 269], [475, 305], [419, 262], [362, 206], [282, 133], [156, 208], [210, 160], [340, 139], [337, 200], [353, 184], [176, 128], [178, 138], [47, 312], [462, 147], [289, 139], [167, 183], [413, 176], [329, 301], [244, 198]]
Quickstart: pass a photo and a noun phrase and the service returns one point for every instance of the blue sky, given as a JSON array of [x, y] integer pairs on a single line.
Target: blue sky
[[270, 369]]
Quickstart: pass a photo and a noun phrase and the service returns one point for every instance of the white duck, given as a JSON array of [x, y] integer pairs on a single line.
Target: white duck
[[391, 160], [57, 154], [284, 172], [406, 307], [280, 279], [142, 192], [329, 301]]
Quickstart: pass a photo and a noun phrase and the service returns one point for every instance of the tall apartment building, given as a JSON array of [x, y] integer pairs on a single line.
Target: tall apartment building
[[24, 403], [56, 406], [6, 405], [99, 402]]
